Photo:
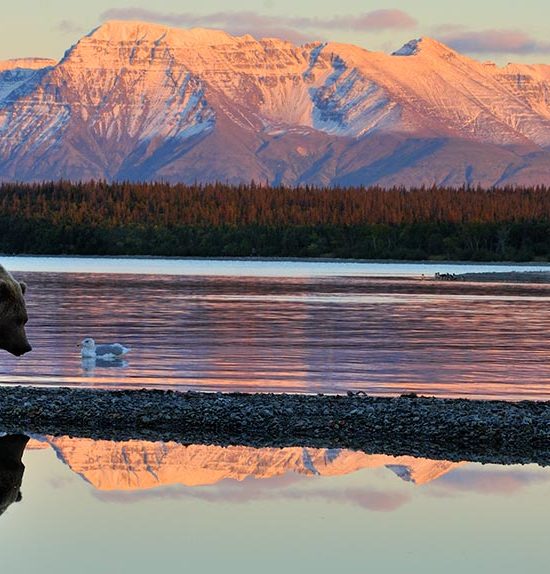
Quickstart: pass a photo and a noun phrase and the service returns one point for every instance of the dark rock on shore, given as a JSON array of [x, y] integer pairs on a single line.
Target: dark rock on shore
[[452, 429]]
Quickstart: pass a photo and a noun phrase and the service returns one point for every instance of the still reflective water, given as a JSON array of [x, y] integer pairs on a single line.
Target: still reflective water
[[100, 506], [274, 329], [251, 267]]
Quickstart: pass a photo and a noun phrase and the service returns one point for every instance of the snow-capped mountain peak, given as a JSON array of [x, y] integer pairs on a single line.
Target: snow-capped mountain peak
[[147, 101], [411, 48], [115, 31], [425, 46]]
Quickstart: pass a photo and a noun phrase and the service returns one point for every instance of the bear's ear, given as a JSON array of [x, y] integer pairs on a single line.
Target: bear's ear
[[23, 287]]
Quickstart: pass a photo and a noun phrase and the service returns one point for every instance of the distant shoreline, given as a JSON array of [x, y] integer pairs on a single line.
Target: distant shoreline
[[275, 267], [449, 429], [432, 262]]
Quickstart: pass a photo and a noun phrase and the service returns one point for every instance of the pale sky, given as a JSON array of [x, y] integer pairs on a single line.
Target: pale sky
[[499, 30]]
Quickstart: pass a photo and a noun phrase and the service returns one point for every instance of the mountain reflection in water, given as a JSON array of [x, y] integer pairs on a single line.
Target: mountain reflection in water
[[289, 334], [92, 506], [137, 465], [124, 470]]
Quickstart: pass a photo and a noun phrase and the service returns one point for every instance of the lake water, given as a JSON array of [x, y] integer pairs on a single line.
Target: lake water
[[101, 506], [284, 327], [98, 506]]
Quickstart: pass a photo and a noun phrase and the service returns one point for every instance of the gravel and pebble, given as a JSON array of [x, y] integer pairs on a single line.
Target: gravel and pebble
[[452, 429]]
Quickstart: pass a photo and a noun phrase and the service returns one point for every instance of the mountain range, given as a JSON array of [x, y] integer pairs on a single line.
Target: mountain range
[[138, 101]]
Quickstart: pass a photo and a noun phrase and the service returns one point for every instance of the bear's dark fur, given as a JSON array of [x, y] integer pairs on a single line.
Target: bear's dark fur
[[11, 469], [13, 315]]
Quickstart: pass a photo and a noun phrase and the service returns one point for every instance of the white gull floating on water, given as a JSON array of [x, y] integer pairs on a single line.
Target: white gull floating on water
[[108, 351]]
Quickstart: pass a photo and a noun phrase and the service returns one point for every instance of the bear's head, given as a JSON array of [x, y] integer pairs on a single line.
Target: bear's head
[[13, 315]]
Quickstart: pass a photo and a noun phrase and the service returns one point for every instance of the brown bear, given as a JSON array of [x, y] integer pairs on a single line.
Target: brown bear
[[13, 315]]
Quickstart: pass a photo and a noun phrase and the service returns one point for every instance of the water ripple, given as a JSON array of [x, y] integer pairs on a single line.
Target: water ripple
[[294, 334]]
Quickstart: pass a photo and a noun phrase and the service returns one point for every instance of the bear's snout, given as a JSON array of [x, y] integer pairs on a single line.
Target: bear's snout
[[22, 350], [26, 349]]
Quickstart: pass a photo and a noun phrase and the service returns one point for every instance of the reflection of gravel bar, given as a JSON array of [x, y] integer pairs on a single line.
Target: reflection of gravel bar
[[452, 429]]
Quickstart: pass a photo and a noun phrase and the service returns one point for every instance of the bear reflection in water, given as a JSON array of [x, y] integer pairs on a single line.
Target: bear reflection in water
[[11, 469]]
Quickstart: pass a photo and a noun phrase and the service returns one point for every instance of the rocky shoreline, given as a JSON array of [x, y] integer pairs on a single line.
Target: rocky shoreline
[[451, 429]]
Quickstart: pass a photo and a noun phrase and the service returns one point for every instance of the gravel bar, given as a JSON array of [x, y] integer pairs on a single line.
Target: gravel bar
[[451, 429], [506, 277]]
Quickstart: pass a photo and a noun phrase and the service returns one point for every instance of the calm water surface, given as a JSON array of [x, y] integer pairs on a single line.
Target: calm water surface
[[98, 506], [278, 326]]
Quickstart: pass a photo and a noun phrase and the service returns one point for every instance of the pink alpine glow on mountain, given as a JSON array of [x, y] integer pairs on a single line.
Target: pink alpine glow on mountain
[[135, 465], [140, 101]]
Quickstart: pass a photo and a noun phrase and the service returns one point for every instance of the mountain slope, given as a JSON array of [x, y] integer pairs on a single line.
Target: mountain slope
[[142, 101]]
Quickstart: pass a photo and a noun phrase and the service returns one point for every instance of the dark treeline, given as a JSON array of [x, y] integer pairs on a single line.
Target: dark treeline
[[220, 220]]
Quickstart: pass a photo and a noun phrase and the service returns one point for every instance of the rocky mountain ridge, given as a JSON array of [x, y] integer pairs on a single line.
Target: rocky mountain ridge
[[141, 101]]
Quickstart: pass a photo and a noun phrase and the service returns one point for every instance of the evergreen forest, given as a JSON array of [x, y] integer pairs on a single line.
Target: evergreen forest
[[217, 220]]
